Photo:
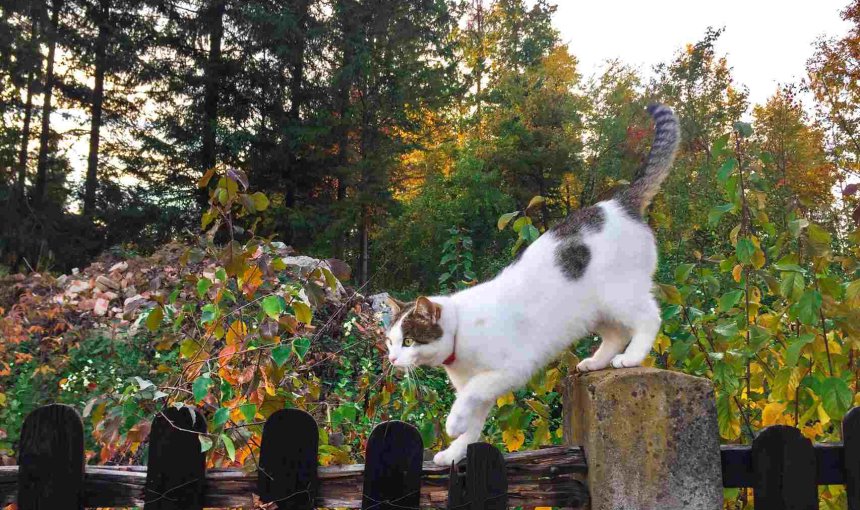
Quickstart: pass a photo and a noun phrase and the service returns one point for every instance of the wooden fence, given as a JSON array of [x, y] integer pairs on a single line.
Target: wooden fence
[[783, 467]]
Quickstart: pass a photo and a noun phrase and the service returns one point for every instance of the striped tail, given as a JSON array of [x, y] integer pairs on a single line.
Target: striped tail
[[636, 198]]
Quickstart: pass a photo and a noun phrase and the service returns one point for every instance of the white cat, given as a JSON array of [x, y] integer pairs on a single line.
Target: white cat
[[592, 273]]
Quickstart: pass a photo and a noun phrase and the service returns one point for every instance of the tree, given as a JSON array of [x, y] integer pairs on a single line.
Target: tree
[[45, 134], [802, 176]]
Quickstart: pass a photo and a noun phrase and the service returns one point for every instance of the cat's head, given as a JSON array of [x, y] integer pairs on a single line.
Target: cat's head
[[421, 333]]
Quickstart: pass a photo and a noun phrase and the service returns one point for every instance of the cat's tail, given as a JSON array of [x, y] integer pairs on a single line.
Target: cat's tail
[[639, 194]]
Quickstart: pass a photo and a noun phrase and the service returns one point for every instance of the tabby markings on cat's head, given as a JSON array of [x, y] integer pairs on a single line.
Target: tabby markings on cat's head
[[415, 332]]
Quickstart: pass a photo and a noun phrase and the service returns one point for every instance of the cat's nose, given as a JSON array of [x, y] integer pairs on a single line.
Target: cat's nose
[[392, 358]]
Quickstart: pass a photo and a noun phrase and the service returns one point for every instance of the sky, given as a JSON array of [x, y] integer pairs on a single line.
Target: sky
[[767, 42]]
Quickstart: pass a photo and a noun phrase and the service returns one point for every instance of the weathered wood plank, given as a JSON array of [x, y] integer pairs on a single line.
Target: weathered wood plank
[[177, 467], [392, 474], [785, 470], [51, 475], [287, 474], [547, 477]]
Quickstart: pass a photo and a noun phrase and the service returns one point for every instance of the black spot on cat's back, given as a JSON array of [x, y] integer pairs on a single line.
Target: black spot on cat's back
[[572, 255]]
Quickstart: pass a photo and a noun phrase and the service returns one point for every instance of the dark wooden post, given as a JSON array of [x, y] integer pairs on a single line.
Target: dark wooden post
[[486, 482], [392, 469], [287, 473], [851, 442], [175, 473], [51, 460], [785, 470]]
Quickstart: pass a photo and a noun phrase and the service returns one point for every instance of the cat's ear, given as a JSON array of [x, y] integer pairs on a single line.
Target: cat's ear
[[396, 305], [428, 310]]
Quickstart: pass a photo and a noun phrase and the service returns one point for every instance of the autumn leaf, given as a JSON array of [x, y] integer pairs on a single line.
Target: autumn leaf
[[513, 439]]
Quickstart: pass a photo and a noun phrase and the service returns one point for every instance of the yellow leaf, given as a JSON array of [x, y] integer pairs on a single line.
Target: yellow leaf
[[303, 312], [236, 333], [535, 201], [662, 344], [736, 273], [509, 399], [772, 414], [812, 433], [823, 417], [513, 439], [758, 258]]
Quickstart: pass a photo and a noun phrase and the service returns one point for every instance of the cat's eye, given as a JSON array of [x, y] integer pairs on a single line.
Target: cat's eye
[[408, 342]]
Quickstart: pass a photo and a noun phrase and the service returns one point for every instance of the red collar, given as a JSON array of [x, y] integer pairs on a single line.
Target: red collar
[[453, 357]]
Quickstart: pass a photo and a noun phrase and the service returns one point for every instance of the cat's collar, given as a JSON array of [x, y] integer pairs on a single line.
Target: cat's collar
[[453, 357]]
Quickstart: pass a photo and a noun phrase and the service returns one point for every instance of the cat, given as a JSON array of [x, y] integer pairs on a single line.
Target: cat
[[591, 273]]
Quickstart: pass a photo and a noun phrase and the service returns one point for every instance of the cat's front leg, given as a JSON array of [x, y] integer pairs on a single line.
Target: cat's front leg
[[474, 418]]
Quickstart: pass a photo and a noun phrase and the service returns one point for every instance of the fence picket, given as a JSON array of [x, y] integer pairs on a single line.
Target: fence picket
[[486, 478], [51, 460], [851, 456], [392, 469], [176, 470], [785, 470], [287, 473]]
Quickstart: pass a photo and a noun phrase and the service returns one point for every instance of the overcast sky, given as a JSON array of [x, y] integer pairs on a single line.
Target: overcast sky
[[767, 41]]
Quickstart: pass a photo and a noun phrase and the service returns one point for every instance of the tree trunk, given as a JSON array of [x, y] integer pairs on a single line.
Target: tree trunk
[[20, 184], [97, 101], [44, 136], [212, 82], [296, 64]]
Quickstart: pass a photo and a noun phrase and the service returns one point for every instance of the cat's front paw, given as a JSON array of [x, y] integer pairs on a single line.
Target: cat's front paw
[[626, 361], [451, 455], [590, 365], [458, 422]]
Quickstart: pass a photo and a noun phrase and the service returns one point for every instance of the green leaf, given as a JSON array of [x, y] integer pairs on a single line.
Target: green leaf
[[530, 233], [330, 278], [745, 250], [280, 354], [200, 387], [726, 169], [521, 222], [301, 346], [249, 411], [203, 285], [727, 329], [205, 443], [273, 306], [818, 235], [719, 145], [729, 299], [671, 294], [717, 212], [506, 218], [153, 320], [682, 272], [210, 313], [795, 347], [444, 277], [221, 274], [792, 285], [836, 397], [221, 417], [796, 226], [727, 417], [229, 446], [808, 307], [303, 312], [261, 203]]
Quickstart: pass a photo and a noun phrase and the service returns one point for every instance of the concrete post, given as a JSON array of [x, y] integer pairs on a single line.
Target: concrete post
[[650, 438]]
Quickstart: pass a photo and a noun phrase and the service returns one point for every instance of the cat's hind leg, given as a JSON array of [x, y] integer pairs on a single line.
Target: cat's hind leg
[[644, 322], [613, 339]]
